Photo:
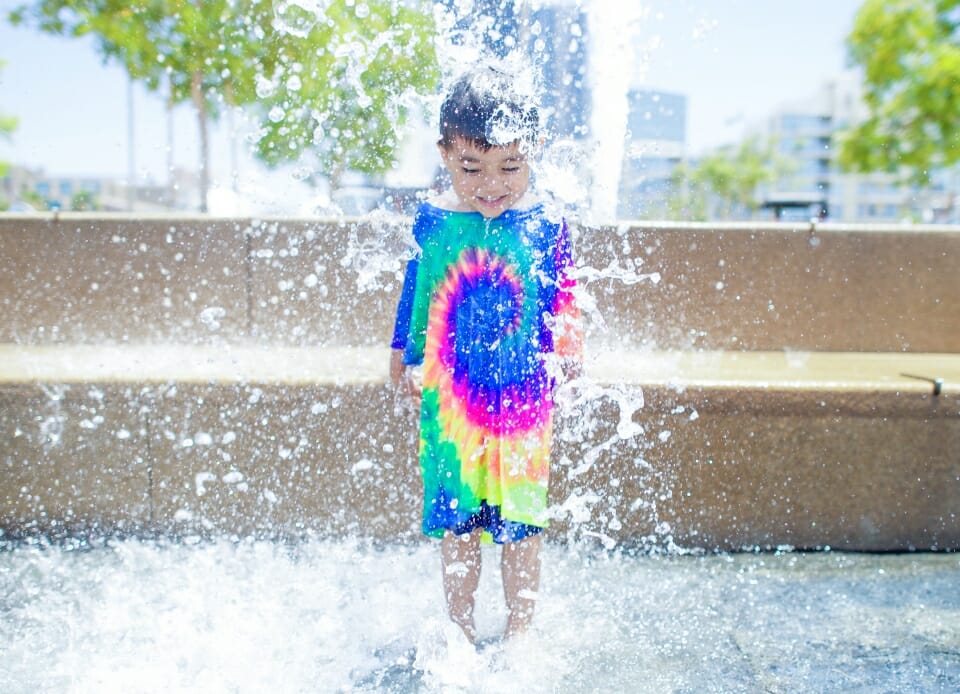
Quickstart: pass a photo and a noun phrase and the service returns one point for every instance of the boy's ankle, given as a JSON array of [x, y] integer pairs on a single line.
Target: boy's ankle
[[517, 624], [468, 629]]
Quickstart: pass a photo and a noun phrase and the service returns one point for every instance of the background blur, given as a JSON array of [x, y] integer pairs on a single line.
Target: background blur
[[697, 109]]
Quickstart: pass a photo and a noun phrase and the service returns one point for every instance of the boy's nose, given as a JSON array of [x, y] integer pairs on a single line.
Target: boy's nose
[[492, 181]]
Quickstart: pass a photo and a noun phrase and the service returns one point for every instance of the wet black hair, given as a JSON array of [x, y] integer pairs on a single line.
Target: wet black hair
[[484, 107]]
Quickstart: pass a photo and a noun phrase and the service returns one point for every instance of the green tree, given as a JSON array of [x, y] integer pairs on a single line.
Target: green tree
[[173, 43], [910, 54], [318, 79], [84, 201], [724, 184], [34, 199], [339, 82]]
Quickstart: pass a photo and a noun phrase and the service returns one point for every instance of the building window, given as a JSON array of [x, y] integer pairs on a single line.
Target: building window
[[795, 123]]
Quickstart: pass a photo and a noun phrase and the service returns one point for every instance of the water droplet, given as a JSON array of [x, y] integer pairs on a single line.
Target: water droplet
[[233, 477], [301, 173], [264, 87], [211, 317], [297, 17]]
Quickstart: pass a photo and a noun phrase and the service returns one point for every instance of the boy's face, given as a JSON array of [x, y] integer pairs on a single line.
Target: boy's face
[[486, 181]]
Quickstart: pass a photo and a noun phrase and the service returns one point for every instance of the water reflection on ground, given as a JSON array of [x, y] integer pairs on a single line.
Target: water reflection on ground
[[323, 615]]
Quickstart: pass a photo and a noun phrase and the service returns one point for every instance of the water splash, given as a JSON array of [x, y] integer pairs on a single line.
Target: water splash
[[155, 616], [612, 37], [299, 17], [378, 245]]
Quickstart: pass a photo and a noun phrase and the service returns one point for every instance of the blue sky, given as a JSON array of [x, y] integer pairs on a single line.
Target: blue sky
[[735, 60]]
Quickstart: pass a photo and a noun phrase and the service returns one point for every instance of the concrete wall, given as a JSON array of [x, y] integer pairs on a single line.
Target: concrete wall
[[90, 279], [832, 289], [699, 468], [716, 456]]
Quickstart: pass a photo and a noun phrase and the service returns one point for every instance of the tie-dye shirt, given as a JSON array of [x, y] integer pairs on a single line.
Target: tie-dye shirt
[[483, 306]]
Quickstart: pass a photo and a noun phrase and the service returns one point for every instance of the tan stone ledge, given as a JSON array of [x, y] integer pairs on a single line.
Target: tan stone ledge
[[879, 371], [191, 364], [895, 384], [293, 365]]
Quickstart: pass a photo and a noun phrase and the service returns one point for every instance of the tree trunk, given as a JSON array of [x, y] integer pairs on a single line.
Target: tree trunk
[[171, 178], [234, 158], [200, 103], [131, 149]]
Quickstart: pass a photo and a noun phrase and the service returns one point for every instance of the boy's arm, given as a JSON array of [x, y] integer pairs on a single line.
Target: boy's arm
[[568, 322], [402, 378], [401, 327], [400, 374], [410, 329], [397, 366]]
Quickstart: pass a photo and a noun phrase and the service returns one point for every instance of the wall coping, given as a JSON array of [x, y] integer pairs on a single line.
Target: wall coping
[[801, 370], [770, 383], [379, 216]]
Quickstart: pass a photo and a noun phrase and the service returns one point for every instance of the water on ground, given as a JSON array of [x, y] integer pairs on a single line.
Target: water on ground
[[340, 616]]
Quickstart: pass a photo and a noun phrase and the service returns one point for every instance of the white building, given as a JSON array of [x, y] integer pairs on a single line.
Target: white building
[[22, 186], [656, 137], [806, 134]]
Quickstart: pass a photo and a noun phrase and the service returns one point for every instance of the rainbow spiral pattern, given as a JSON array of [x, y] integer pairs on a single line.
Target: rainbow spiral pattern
[[487, 301]]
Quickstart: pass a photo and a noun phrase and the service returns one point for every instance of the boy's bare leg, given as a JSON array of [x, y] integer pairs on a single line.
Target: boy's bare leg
[[520, 564], [461, 577]]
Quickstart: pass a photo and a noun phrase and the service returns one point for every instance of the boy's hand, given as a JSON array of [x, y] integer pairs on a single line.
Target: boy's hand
[[572, 369], [401, 376], [396, 367]]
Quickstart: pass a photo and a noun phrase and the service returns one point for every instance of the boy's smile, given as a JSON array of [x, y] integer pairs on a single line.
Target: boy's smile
[[489, 181]]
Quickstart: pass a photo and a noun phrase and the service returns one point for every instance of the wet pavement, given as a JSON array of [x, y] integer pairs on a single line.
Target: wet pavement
[[349, 615]]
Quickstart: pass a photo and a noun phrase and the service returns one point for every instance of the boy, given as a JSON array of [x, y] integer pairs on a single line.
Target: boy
[[487, 310]]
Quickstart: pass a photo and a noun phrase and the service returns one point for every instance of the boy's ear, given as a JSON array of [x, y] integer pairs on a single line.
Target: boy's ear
[[445, 154], [535, 148]]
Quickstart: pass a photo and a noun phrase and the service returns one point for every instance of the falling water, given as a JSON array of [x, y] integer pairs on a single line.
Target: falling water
[[612, 60]]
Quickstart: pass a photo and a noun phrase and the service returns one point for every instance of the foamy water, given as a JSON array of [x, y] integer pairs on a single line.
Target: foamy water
[[326, 616]]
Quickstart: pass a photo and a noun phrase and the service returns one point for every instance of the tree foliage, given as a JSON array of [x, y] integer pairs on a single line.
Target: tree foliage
[[724, 184], [84, 201], [338, 81], [910, 54], [321, 77]]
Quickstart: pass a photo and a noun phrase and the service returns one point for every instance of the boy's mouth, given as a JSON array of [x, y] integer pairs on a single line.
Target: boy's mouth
[[492, 201]]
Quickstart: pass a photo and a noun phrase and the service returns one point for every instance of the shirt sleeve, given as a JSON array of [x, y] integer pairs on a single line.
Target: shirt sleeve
[[410, 332], [568, 323], [401, 327]]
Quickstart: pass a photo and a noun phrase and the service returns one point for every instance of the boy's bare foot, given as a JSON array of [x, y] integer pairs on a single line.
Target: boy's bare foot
[[520, 564], [461, 576]]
